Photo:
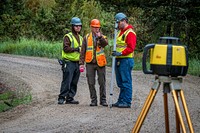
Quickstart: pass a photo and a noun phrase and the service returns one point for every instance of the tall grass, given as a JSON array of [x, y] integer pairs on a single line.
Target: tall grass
[[194, 67], [32, 47]]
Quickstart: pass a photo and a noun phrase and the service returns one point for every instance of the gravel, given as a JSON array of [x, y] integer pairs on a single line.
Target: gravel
[[42, 76]]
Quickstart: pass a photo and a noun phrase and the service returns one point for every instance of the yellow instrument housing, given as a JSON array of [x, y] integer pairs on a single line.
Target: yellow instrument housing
[[166, 59]]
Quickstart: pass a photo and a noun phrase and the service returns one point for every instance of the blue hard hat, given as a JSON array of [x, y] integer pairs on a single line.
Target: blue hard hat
[[120, 16], [76, 21]]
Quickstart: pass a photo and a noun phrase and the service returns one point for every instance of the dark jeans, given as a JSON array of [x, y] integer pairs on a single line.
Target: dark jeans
[[91, 70], [69, 83]]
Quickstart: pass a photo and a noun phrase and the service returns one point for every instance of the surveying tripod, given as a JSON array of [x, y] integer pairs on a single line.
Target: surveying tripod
[[172, 84]]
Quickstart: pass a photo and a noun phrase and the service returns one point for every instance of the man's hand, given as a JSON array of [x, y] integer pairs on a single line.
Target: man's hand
[[98, 34], [81, 68], [114, 53], [77, 49]]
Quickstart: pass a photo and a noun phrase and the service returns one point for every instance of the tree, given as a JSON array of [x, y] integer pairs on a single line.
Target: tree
[[11, 15]]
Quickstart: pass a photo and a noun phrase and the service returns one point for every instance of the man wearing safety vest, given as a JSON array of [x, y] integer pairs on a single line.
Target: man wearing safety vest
[[92, 53], [70, 63], [125, 45]]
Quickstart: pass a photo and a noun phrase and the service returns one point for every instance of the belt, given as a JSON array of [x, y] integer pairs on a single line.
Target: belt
[[70, 61], [122, 58]]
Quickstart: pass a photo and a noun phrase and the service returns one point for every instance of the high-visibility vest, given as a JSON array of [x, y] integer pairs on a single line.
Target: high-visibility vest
[[73, 56], [100, 55], [121, 44]]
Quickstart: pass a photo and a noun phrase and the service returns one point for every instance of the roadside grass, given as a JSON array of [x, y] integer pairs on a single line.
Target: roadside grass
[[138, 61], [11, 97], [32, 47], [194, 67]]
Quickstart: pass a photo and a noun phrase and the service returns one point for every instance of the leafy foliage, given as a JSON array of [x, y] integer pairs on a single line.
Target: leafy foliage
[[50, 19]]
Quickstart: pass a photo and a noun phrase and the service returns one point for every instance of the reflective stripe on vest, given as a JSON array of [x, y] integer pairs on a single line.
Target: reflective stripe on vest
[[100, 55], [121, 44], [73, 56]]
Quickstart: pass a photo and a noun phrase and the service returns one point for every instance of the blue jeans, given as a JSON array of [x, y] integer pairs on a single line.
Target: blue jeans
[[123, 68]]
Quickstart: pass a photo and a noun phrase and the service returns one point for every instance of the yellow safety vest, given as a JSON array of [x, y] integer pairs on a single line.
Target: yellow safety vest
[[73, 56], [100, 55], [121, 44]]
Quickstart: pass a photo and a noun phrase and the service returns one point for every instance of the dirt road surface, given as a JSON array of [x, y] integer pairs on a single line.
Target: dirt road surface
[[43, 115]]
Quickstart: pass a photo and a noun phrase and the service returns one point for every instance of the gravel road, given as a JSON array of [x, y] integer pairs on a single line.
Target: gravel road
[[43, 115]]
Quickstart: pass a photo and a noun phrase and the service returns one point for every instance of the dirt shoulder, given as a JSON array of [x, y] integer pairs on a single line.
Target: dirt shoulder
[[43, 76]]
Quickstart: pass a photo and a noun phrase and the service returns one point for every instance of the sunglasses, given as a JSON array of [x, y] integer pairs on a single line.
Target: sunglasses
[[121, 21], [77, 25]]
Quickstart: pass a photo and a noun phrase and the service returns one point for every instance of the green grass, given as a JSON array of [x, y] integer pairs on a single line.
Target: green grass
[[32, 47], [194, 67], [9, 99]]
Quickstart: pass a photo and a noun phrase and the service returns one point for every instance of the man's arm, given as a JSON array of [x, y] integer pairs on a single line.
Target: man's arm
[[67, 46], [131, 43], [83, 51]]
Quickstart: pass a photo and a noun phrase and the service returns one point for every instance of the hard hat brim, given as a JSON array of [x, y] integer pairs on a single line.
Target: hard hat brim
[[96, 26], [78, 24]]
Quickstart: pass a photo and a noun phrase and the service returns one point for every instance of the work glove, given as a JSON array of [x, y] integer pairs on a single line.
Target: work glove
[[81, 68], [77, 49], [115, 53]]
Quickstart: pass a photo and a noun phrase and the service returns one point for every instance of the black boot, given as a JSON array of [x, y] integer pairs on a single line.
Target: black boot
[[93, 104], [61, 100], [72, 102], [104, 104]]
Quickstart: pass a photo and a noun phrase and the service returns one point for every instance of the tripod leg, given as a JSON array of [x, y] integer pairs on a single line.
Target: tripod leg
[[144, 111], [186, 111], [178, 110], [166, 112], [177, 119], [166, 89]]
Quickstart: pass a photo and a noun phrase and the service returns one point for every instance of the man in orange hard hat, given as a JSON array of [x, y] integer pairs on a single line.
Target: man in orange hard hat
[[92, 54]]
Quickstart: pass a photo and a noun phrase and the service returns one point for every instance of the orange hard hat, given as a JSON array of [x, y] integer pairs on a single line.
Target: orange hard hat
[[95, 23]]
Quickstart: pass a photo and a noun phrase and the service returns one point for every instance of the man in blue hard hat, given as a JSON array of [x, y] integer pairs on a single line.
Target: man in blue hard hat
[[125, 46], [70, 63]]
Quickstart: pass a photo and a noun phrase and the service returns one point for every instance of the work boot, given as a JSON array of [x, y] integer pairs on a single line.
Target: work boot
[[104, 104], [72, 102], [123, 105], [115, 104], [93, 104], [61, 101]]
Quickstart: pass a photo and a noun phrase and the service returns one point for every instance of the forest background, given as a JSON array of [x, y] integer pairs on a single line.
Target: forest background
[[49, 20]]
